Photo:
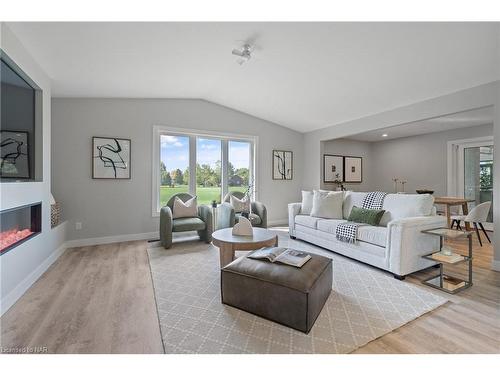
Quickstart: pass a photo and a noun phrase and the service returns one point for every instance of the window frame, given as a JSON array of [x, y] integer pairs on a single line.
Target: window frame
[[193, 135]]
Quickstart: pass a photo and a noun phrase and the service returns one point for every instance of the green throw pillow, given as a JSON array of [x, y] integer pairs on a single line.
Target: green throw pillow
[[366, 216]]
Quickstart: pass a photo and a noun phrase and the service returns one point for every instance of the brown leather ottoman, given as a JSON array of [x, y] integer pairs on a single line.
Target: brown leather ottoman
[[288, 295]]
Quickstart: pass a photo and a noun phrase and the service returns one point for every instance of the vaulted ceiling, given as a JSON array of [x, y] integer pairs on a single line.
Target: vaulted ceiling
[[304, 76]]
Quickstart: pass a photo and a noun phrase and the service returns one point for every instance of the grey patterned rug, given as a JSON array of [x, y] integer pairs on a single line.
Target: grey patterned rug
[[365, 303]]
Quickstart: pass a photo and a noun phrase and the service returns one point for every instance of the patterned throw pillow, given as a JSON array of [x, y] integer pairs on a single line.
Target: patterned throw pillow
[[240, 205], [185, 209]]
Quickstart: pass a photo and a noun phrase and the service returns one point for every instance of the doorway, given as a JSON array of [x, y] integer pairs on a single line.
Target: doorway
[[472, 172]]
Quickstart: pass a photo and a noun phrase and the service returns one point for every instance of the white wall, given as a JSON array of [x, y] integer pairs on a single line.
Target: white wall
[[21, 266], [111, 208]]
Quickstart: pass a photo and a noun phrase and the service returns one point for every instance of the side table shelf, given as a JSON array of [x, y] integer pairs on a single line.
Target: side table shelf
[[442, 281]]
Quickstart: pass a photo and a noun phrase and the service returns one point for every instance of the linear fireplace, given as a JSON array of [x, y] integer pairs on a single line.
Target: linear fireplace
[[18, 225]]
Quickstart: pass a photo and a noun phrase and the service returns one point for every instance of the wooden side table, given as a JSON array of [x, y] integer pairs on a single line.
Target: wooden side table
[[228, 244], [442, 280]]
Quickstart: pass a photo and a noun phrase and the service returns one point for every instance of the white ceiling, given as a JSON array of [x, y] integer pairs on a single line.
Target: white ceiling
[[466, 119], [303, 75]]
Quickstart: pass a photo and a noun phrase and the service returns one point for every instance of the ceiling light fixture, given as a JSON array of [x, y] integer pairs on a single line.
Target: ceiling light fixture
[[385, 135], [245, 53]]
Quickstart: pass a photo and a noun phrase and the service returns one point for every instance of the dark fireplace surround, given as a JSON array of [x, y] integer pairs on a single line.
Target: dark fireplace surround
[[18, 225]]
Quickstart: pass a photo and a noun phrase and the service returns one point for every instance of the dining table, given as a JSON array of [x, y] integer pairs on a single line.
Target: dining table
[[449, 202]]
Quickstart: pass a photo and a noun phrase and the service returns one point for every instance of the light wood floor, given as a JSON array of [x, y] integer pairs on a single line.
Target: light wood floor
[[96, 299], [100, 299], [469, 323]]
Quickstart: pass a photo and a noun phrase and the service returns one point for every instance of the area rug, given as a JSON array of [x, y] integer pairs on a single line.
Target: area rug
[[365, 304]]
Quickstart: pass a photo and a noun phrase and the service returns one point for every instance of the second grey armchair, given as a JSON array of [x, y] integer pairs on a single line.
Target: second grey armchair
[[201, 223], [227, 216]]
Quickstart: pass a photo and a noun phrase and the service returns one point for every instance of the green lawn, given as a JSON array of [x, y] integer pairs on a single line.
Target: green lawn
[[205, 194]]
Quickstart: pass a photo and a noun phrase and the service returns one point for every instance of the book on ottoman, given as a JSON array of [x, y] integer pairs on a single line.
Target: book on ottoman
[[282, 255]]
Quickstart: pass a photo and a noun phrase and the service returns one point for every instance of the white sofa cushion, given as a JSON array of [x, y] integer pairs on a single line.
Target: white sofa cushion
[[401, 206], [327, 204], [352, 198], [374, 235], [307, 202], [366, 233], [307, 221], [329, 225]]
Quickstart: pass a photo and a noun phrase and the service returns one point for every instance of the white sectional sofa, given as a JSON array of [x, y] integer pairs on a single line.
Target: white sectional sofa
[[396, 245]]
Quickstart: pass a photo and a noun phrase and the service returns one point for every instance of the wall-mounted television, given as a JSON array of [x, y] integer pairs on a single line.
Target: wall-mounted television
[[20, 112]]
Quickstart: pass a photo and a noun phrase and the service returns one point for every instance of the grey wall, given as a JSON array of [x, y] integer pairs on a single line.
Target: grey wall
[[476, 97], [420, 160], [109, 208], [496, 181], [348, 147]]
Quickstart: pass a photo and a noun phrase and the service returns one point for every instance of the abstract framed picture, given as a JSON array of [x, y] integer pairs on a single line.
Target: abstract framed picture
[[14, 154], [333, 168], [282, 165], [353, 169], [111, 158]]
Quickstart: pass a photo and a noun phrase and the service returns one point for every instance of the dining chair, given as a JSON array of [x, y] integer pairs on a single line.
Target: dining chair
[[477, 216]]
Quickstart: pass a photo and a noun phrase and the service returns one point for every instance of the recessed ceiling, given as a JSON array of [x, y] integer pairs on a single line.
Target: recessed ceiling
[[302, 75], [466, 119]]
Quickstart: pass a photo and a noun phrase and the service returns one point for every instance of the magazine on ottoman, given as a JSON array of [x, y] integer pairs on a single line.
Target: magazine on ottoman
[[282, 255]]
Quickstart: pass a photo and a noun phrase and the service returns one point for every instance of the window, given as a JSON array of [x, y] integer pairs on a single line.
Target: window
[[207, 165], [174, 166], [208, 170], [239, 166]]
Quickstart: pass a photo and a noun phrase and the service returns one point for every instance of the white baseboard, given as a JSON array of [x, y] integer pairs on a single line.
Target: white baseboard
[[24, 285], [110, 239], [495, 265], [278, 222]]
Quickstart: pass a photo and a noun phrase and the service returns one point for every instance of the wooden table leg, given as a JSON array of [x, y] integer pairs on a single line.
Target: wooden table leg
[[447, 214], [465, 211], [226, 252]]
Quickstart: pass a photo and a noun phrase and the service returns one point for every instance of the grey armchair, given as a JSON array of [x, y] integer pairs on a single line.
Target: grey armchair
[[226, 217], [202, 223]]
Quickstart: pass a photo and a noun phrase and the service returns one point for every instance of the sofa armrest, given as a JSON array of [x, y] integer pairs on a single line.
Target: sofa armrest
[[205, 214], [225, 216], [259, 209], [293, 210], [166, 225], [406, 243]]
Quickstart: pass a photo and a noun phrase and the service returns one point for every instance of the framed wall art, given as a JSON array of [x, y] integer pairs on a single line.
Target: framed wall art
[[353, 169], [14, 154], [111, 158], [333, 168], [282, 165]]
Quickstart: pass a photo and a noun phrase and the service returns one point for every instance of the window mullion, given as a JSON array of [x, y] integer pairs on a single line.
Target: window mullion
[[224, 168], [192, 165]]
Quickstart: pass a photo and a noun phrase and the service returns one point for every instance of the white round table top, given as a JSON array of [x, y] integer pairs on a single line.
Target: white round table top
[[259, 235]]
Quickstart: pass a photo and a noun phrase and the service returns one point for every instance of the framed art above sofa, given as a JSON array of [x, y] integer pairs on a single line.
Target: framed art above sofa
[[333, 168], [353, 169]]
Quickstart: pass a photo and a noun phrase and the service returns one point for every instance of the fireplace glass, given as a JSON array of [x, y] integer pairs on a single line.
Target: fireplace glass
[[18, 225]]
